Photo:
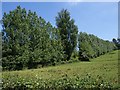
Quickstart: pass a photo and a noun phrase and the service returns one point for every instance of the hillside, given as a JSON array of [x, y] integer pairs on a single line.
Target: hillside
[[103, 69]]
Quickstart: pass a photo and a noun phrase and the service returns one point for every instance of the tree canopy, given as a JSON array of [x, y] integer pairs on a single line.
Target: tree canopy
[[28, 41], [91, 46], [68, 31]]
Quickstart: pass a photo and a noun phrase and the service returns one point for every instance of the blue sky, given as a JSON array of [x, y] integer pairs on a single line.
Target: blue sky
[[100, 18], [0, 10]]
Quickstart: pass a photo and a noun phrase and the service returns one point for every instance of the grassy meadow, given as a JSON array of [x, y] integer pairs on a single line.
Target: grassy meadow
[[100, 72]]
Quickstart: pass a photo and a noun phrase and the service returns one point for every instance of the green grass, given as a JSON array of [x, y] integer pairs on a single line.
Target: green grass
[[105, 67]]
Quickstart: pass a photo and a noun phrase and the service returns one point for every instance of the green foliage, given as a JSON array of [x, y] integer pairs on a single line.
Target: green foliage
[[68, 32], [64, 83], [100, 73], [91, 46], [28, 41]]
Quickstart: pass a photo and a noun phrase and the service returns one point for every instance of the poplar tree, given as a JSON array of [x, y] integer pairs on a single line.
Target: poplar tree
[[68, 32]]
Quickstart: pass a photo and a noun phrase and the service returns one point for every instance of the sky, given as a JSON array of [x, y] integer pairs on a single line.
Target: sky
[[0, 14], [60, 0], [98, 18]]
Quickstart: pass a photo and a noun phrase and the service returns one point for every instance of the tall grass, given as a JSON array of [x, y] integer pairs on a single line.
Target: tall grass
[[99, 73]]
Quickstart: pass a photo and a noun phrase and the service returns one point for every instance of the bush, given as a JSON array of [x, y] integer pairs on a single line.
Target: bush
[[83, 57], [63, 83]]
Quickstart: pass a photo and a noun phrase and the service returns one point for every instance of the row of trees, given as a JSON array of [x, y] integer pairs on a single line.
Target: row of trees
[[91, 46], [29, 41]]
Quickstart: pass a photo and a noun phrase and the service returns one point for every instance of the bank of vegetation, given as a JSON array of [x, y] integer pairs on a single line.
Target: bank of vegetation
[[28, 41], [100, 73]]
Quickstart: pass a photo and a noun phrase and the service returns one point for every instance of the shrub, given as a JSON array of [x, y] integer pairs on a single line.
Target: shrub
[[63, 83]]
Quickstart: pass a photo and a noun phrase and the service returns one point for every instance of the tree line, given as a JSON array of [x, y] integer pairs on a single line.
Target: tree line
[[28, 41], [90, 46]]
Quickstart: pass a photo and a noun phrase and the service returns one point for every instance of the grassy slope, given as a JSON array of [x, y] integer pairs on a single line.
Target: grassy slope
[[105, 66]]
